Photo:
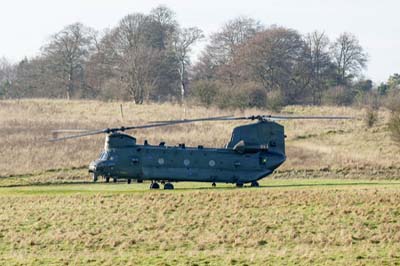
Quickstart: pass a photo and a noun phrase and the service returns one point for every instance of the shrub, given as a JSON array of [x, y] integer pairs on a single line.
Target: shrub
[[394, 126], [339, 95], [232, 98], [257, 98], [371, 117], [369, 99], [275, 101], [242, 96], [113, 90], [205, 91], [392, 101]]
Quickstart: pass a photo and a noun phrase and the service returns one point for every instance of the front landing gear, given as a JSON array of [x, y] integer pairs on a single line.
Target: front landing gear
[[95, 178], [254, 184], [154, 185]]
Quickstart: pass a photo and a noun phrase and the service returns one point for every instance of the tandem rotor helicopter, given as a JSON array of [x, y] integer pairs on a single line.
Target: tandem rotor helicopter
[[254, 151]]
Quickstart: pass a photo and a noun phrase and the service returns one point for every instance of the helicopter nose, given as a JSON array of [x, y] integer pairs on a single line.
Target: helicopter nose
[[96, 166], [101, 166], [92, 167]]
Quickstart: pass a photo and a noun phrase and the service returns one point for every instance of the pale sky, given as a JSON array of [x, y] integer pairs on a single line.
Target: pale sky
[[25, 25]]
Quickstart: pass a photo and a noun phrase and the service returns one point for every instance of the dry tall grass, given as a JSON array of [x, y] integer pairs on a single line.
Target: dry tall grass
[[26, 125]]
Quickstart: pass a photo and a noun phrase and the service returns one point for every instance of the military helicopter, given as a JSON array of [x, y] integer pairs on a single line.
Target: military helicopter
[[254, 151]]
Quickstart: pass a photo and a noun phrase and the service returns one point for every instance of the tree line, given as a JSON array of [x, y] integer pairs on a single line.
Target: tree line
[[146, 57]]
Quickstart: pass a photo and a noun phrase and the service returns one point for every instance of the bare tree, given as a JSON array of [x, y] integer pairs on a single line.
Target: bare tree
[[7, 77], [98, 68], [182, 47], [128, 45], [349, 57], [132, 56], [217, 58], [234, 33], [275, 58], [393, 82], [163, 26], [320, 63], [68, 50]]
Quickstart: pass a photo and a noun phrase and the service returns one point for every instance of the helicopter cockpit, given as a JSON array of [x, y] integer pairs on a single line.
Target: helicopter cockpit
[[103, 155], [108, 155]]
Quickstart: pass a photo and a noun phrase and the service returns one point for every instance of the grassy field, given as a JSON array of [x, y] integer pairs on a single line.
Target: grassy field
[[285, 222], [335, 201]]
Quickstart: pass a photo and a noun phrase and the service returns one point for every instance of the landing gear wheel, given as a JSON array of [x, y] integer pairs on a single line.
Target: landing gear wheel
[[129, 180], [107, 179], [154, 185], [239, 184], [254, 184], [139, 181], [115, 180], [213, 184], [94, 176], [168, 186]]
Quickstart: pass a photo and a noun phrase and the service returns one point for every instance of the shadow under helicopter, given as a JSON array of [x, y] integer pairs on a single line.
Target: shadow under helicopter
[[327, 184]]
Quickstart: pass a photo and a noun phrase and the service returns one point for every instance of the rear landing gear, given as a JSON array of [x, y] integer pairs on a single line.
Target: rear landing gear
[[107, 179], [154, 185], [213, 184], [94, 176], [254, 184], [115, 180], [129, 180], [168, 186], [239, 184]]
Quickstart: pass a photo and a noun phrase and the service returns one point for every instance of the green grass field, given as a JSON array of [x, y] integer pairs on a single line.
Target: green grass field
[[290, 221], [335, 201]]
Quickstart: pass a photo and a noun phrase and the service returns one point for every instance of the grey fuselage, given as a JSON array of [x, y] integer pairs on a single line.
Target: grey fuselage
[[255, 151]]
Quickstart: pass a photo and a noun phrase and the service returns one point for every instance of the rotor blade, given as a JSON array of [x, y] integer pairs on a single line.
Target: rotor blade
[[278, 117], [157, 125], [89, 133], [174, 122], [110, 130], [69, 130], [217, 118], [253, 117], [55, 133]]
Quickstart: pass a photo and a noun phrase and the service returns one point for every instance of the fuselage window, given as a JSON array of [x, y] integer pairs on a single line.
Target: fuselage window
[[211, 163]]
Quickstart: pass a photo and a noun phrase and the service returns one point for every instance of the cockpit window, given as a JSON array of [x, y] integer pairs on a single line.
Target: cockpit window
[[103, 155], [107, 155]]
